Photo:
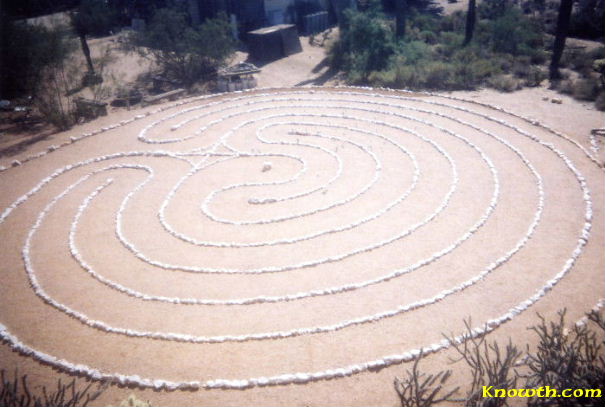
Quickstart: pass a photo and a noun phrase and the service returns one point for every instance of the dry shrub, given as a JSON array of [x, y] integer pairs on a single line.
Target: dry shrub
[[568, 359], [16, 393], [564, 359], [504, 83], [586, 89], [421, 389]]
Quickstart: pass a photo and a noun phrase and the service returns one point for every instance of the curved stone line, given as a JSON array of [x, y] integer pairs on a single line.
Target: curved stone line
[[331, 291], [368, 186], [443, 205], [189, 338], [321, 90], [347, 89], [394, 359], [158, 153], [375, 364], [311, 235], [401, 309]]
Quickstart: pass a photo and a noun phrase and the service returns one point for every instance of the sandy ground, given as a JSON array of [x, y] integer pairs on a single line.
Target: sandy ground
[[369, 185]]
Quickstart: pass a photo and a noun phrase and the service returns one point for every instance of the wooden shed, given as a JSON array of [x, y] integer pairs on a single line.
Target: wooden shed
[[275, 42]]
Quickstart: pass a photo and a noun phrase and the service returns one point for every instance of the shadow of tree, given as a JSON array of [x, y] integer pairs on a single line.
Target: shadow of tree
[[321, 79]]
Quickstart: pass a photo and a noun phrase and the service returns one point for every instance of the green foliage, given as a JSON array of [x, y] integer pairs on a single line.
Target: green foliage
[[504, 83], [28, 51], [493, 9], [185, 53], [587, 20], [93, 17], [600, 101], [421, 6], [432, 56], [586, 89], [365, 44]]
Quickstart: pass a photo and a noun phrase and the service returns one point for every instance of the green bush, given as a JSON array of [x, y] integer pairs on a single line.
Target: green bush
[[454, 22], [587, 20], [185, 53], [504, 83], [536, 76], [471, 69], [566, 87], [94, 17], [600, 101], [586, 89], [29, 50], [514, 34], [432, 55], [365, 44]]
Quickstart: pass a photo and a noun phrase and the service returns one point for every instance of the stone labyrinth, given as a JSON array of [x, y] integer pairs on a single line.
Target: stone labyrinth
[[289, 236]]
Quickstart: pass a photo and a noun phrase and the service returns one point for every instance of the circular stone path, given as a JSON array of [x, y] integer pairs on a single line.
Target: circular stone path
[[291, 236]]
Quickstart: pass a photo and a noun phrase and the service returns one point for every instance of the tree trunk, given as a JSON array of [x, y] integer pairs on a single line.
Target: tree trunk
[[471, 18], [401, 9], [560, 36], [86, 51], [194, 12]]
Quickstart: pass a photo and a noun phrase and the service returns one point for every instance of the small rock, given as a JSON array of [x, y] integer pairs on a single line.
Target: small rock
[[267, 166], [556, 100]]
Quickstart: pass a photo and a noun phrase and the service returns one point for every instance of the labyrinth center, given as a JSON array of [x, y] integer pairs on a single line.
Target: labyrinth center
[[291, 236]]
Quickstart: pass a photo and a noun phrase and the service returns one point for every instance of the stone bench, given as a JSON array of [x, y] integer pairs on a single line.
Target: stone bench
[[90, 108], [171, 95]]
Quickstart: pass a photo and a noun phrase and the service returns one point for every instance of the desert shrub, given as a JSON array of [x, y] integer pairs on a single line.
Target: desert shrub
[[454, 22], [185, 53], [514, 34], [490, 365], [428, 37], [586, 89], [578, 59], [600, 101], [385, 78], [432, 56], [365, 44], [521, 67], [568, 359], [35, 63], [449, 43], [423, 6], [587, 20], [438, 75], [504, 83], [492, 9], [535, 76], [16, 393], [563, 359], [597, 53], [565, 86], [28, 51], [411, 53], [419, 389], [94, 17], [471, 69]]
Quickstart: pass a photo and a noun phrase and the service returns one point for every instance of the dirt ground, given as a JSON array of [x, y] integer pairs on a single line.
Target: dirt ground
[[303, 214]]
